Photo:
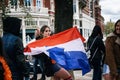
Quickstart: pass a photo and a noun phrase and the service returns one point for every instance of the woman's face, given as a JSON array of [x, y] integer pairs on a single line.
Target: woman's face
[[47, 32], [118, 28]]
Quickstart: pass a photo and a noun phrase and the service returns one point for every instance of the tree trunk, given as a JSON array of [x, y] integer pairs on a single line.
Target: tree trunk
[[63, 15]]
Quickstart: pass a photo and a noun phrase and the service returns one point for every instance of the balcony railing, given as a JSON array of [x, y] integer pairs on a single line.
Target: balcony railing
[[31, 9]]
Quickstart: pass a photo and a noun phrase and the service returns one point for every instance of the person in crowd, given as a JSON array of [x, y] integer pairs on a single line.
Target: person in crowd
[[112, 58], [38, 60], [106, 72], [37, 33], [97, 52], [50, 66], [5, 72], [13, 48]]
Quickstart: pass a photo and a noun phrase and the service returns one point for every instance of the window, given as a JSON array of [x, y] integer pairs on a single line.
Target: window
[[43, 23], [13, 2], [74, 6], [81, 31], [38, 3], [30, 22], [27, 3], [27, 22], [75, 22], [80, 23]]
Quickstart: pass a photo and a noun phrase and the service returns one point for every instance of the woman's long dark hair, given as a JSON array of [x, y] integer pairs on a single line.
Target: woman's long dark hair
[[115, 27], [97, 31], [42, 31]]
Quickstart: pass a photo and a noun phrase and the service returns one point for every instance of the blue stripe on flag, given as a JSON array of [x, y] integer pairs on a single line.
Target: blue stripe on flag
[[70, 59]]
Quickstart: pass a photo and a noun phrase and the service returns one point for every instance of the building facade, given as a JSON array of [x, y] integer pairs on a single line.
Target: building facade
[[35, 13], [84, 17], [87, 14], [99, 20]]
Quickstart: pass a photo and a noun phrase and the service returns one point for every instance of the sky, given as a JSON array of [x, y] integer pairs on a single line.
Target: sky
[[110, 10]]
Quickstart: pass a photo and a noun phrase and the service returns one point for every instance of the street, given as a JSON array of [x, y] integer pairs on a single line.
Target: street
[[77, 76]]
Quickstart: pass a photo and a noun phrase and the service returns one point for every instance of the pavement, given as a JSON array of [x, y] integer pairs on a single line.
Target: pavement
[[77, 75]]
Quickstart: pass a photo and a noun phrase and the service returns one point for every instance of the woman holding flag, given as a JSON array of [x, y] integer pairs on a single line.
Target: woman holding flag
[[50, 67]]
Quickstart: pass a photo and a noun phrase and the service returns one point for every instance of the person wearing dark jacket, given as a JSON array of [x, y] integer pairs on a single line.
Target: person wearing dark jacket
[[13, 48], [97, 52]]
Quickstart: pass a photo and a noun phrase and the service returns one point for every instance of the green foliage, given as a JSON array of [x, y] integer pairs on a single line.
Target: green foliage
[[109, 26], [4, 9]]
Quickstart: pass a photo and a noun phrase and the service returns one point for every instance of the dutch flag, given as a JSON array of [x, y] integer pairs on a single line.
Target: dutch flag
[[66, 48]]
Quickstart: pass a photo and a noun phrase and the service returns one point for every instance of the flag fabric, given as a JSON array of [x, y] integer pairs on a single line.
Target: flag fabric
[[65, 47]]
